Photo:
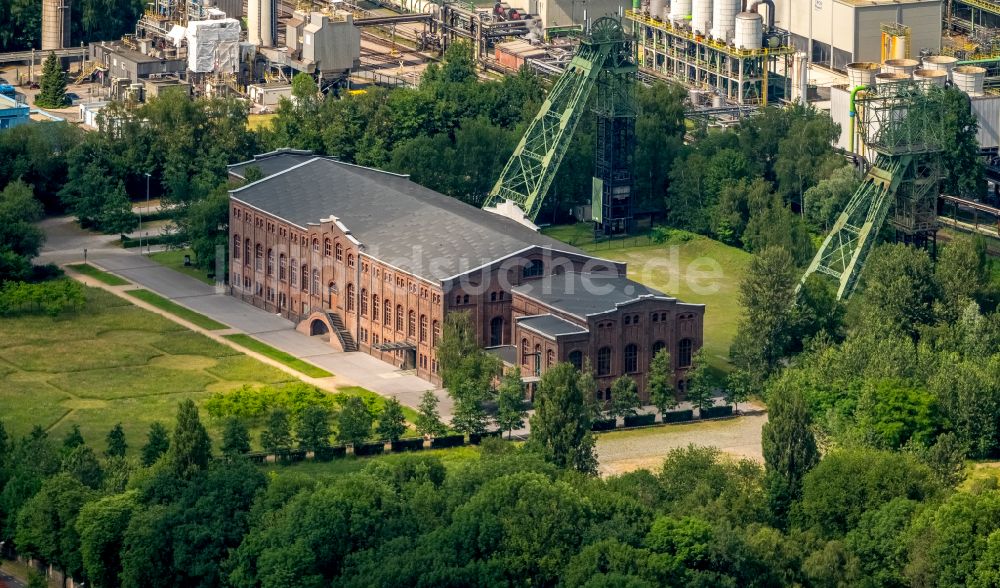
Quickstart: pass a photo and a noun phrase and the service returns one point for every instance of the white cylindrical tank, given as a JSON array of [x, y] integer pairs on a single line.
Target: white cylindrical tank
[[903, 66], [260, 22], [969, 78], [695, 97], [724, 19], [944, 63], [749, 30], [718, 101], [701, 16], [680, 10], [890, 77], [861, 73], [656, 8], [931, 77]]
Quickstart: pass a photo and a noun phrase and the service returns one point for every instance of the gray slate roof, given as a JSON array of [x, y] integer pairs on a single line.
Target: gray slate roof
[[585, 294], [550, 325], [398, 221], [272, 162]]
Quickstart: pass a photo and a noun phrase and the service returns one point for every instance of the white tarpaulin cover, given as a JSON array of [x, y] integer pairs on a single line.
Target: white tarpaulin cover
[[177, 34], [214, 45]]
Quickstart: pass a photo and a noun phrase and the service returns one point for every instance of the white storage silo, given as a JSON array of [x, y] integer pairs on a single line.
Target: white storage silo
[[724, 19], [861, 73], [969, 79], [260, 22], [701, 16], [680, 11], [749, 30], [903, 66], [944, 63], [930, 77]]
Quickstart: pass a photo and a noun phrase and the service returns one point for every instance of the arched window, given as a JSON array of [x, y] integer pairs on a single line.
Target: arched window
[[270, 262], [259, 257], [292, 274], [236, 246], [423, 328], [537, 357], [684, 353], [576, 358], [465, 299], [458, 299], [604, 361], [246, 250], [525, 352], [657, 347], [327, 247], [350, 260], [656, 317], [340, 252], [496, 331], [493, 296], [387, 312], [628, 319], [550, 358], [435, 332], [631, 358], [534, 269], [315, 282], [411, 324], [350, 298], [282, 267], [305, 277], [375, 308], [399, 318], [315, 245], [364, 302]]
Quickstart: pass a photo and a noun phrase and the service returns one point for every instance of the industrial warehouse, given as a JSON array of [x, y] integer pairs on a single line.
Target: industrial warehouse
[[374, 262]]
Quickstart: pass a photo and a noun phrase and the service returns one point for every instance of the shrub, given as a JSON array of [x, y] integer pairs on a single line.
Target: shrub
[[678, 416], [448, 441], [640, 420], [253, 403], [603, 425], [52, 298], [716, 412], [477, 438], [329, 453], [415, 444], [369, 449]]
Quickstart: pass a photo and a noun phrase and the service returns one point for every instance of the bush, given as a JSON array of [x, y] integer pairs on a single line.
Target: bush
[[640, 420], [678, 416], [51, 298], [253, 404], [448, 441], [129, 243], [329, 453], [477, 438], [716, 412], [369, 449], [408, 444], [603, 425]]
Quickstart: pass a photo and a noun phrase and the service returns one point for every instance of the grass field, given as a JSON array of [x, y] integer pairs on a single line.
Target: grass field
[[177, 310], [451, 458], [103, 276], [280, 356], [691, 267], [174, 259], [112, 362]]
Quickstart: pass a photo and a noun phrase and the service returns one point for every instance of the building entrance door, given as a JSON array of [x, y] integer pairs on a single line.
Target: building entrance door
[[409, 359]]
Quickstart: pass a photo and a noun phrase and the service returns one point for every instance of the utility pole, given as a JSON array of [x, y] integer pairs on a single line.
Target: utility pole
[[140, 218]]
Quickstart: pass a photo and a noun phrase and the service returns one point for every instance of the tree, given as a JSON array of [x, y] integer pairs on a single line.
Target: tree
[[117, 446], [898, 290], [469, 416], [826, 200], [46, 524], [392, 422], [738, 388], [82, 464], [190, 448], [313, 430], [789, 449], [277, 436], [466, 370], [53, 85], [354, 423], [624, 397], [235, 438], [19, 211], [101, 526], [961, 272], [73, 438], [699, 389], [157, 443], [661, 382], [562, 420], [960, 150], [116, 214], [428, 421], [511, 408]]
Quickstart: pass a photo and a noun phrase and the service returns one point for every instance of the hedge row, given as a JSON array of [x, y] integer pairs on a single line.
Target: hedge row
[[376, 448], [678, 416], [673, 416], [716, 412], [129, 243], [477, 438], [640, 420], [447, 441]]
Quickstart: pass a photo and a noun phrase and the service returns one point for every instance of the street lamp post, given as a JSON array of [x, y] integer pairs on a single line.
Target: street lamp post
[[140, 218]]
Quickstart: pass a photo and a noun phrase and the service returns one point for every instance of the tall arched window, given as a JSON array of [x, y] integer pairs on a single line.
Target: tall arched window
[[411, 324], [423, 328], [550, 358], [340, 252], [375, 308], [305, 278], [293, 274], [315, 245], [399, 318], [576, 358], [631, 358], [435, 332], [387, 312], [236, 246], [533, 269], [684, 353], [327, 247], [496, 331], [246, 250], [604, 361], [350, 298], [282, 267], [364, 302], [270, 262], [315, 282], [525, 352], [537, 359], [259, 257], [350, 260], [657, 347]]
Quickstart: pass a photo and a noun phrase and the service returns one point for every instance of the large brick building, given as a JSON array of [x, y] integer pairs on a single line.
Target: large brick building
[[373, 262]]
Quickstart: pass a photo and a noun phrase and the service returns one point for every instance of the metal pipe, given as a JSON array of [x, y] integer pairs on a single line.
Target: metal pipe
[[852, 115]]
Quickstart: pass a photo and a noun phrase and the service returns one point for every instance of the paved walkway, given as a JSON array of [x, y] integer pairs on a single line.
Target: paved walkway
[[65, 243]]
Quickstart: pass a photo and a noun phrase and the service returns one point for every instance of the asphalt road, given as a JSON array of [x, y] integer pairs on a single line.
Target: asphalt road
[[8, 581]]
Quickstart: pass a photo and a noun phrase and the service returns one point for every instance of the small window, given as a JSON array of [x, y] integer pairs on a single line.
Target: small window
[[628, 320], [534, 269], [465, 299], [493, 296], [656, 317]]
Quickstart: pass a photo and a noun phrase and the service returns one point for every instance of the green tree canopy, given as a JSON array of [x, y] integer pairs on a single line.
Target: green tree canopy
[[562, 419]]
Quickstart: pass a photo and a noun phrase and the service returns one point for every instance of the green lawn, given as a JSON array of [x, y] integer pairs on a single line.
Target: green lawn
[[103, 276], [174, 259], [451, 458], [280, 356], [177, 310], [112, 362], [691, 267]]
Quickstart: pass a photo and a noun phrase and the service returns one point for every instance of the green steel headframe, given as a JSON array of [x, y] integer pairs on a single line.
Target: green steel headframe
[[901, 123], [529, 172]]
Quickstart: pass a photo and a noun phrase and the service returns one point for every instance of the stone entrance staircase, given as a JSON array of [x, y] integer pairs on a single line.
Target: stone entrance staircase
[[341, 332]]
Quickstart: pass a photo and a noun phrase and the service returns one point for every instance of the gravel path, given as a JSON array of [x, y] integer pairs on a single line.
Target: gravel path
[[626, 451]]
